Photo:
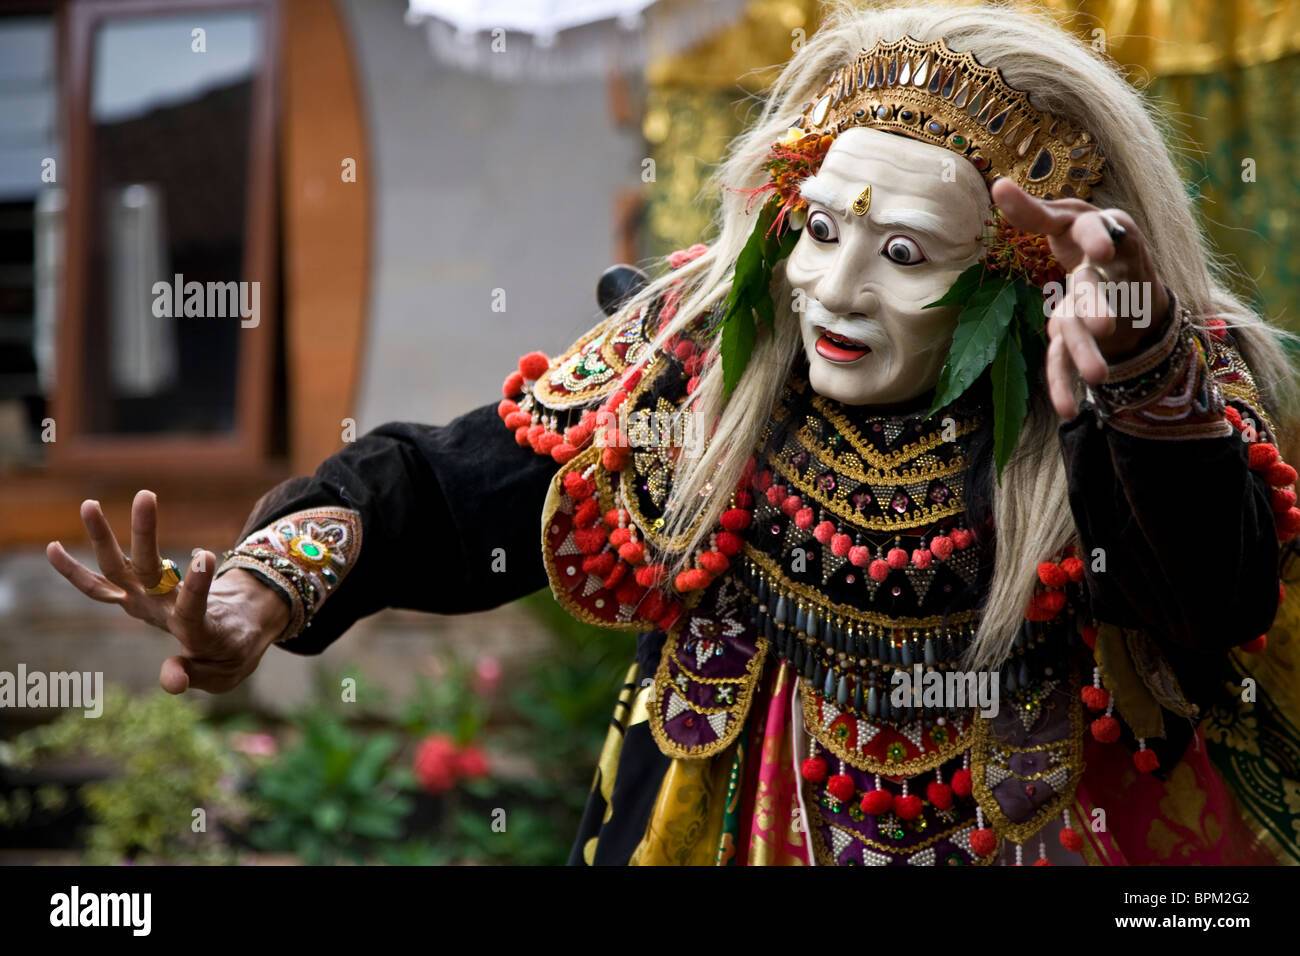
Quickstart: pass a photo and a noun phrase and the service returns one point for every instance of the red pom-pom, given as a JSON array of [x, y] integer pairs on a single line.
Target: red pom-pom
[[614, 459], [1279, 474], [1073, 569], [715, 562], [941, 546], [534, 365], [841, 787], [516, 420], [577, 435], [600, 564], [813, 769], [1257, 645], [619, 537], [961, 783], [685, 349], [840, 545], [1042, 861], [1071, 840], [1089, 635], [576, 486], [1095, 698], [804, 519], [1052, 601], [1146, 760], [672, 611], [1105, 730], [878, 570], [735, 519], [653, 605], [505, 407], [922, 557], [629, 592], [587, 513], [859, 555], [633, 552], [775, 494], [692, 366], [652, 575], [1261, 454], [535, 432], [563, 453], [876, 802], [744, 499], [1218, 328], [824, 532], [939, 795], [615, 576], [730, 544], [613, 515], [1283, 500], [696, 579], [791, 505], [1233, 416], [589, 540], [983, 841], [1288, 524], [547, 442], [908, 807], [896, 558], [513, 385], [961, 539], [1052, 575]]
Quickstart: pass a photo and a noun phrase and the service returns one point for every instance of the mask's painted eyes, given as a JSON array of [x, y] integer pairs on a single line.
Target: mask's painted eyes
[[822, 227], [902, 250]]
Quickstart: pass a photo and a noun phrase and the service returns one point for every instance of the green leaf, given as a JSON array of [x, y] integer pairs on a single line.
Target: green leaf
[[960, 292], [1029, 307], [1009, 376], [981, 326], [738, 336]]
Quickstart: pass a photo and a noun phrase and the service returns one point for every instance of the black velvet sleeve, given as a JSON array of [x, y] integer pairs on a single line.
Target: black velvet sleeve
[[1191, 551], [435, 502]]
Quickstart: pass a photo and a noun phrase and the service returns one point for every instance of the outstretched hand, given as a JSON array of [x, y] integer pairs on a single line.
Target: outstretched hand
[[1084, 335], [223, 628]]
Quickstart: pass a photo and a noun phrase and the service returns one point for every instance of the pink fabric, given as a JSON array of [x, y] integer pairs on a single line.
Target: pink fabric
[[1190, 819]]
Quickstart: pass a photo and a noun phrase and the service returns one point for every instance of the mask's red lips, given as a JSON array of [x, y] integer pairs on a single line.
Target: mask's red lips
[[839, 348]]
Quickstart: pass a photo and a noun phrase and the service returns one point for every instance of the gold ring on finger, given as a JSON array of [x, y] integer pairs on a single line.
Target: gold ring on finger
[[1089, 264], [171, 576]]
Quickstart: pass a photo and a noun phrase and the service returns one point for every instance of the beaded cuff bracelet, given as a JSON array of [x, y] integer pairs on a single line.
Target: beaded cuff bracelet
[[305, 556], [1165, 392]]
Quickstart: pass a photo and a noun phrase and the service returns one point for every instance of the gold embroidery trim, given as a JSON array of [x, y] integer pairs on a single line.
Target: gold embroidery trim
[[983, 741], [737, 712], [906, 768], [849, 613], [894, 458], [826, 859]]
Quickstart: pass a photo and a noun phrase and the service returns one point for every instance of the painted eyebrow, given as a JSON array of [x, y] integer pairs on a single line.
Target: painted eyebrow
[[914, 220]]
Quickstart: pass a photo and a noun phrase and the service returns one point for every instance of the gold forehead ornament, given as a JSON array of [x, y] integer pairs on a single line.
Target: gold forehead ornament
[[863, 202], [930, 93]]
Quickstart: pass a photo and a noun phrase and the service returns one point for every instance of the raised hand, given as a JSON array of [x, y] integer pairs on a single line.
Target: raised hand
[[223, 628], [1083, 334]]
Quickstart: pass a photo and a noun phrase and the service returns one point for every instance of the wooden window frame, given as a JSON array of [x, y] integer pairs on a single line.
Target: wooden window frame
[[247, 445]]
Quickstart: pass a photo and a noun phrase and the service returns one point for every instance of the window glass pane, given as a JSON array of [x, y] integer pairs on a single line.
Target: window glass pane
[[171, 115]]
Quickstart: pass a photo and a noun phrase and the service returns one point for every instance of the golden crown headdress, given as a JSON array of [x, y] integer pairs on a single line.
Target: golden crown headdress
[[928, 92]]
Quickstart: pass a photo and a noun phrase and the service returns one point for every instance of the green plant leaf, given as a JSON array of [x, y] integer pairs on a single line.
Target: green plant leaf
[[960, 292], [980, 327], [738, 337], [1009, 376]]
